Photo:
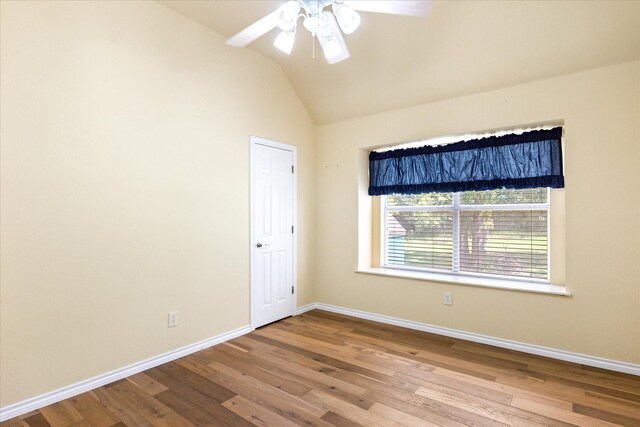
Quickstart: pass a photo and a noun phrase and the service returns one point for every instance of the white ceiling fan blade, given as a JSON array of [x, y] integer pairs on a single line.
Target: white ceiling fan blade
[[343, 52], [255, 30], [398, 7]]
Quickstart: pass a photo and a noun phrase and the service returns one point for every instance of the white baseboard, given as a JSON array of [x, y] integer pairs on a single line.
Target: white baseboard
[[583, 359], [306, 308], [37, 402]]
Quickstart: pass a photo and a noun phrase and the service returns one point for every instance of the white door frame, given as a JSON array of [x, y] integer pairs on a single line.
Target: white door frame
[[253, 141]]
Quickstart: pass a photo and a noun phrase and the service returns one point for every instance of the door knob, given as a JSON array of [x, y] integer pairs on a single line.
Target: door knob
[[262, 244]]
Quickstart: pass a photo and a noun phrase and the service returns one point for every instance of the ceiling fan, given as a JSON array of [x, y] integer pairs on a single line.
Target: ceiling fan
[[326, 25]]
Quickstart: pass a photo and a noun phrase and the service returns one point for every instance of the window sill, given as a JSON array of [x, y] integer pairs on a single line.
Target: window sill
[[510, 285]]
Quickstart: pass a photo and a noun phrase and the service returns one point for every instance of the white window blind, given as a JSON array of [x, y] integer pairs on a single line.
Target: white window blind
[[499, 233]]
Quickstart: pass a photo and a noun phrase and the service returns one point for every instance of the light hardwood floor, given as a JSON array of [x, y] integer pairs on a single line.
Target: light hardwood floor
[[324, 369]]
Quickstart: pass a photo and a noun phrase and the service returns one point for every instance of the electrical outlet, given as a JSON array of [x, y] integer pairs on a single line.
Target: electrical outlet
[[173, 319], [448, 298]]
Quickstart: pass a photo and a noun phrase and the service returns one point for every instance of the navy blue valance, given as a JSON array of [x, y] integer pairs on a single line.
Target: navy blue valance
[[529, 160]]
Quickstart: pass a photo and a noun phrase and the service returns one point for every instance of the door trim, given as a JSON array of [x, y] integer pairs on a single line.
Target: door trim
[[253, 141]]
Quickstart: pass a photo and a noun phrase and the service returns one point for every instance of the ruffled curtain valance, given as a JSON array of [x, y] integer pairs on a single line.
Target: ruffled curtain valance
[[529, 160]]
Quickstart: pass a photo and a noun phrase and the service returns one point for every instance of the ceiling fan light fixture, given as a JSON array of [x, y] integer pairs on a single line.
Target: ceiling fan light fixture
[[284, 41], [312, 24], [348, 19], [288, 16], [330, 46]]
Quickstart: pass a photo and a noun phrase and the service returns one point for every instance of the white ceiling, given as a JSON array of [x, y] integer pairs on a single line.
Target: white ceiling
[[462, 47]]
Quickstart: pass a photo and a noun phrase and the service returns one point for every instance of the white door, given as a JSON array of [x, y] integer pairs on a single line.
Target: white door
[[272, 193]]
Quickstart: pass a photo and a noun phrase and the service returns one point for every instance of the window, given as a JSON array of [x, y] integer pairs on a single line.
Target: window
[[496, 233]]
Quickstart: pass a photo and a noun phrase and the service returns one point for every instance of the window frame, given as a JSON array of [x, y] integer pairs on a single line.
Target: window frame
[[456, 208]]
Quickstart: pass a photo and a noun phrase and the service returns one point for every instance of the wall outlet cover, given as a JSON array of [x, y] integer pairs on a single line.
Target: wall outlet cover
[[173, 319], [448, 298]]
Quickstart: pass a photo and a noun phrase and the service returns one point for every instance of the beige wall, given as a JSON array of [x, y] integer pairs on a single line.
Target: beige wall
[[601, 111], [125, 190]]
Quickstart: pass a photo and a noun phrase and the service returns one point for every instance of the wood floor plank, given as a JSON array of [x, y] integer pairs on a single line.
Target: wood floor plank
[[561, 391], [187, 409], [308, 373], [249, 342], [340, 353], [314, 377], [37, 420], [452, 417], [463, 386], [339, 421], [152, 409], [123, 410], [364, 417], [92, 411], [568, 416], [395, 362], [324, 369], [201, 384], [237, 347], [347, 380], [431, 359], [611, 404], [509, 390], [280, 405], [456, 365], [255, 413], [568, 370], [607, 416], [338, 365], [248, 367], [257, 385], [493, 410], [146, 383], [457, 415], [322, 327], [197, 365], [328, 384], [193, 404], [400, 416], [305, 331], [61, 414]]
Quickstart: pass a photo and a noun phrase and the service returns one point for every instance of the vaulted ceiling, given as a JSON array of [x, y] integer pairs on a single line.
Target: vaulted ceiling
[[462, 47]]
